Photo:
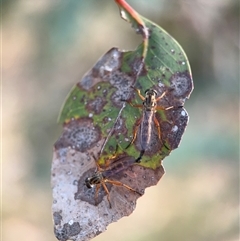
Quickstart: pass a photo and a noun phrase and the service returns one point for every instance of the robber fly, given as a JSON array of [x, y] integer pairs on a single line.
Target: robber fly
[[106, 174], [145, 124]]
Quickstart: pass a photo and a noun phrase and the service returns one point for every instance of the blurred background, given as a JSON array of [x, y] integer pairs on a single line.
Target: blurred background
[[46, 48]]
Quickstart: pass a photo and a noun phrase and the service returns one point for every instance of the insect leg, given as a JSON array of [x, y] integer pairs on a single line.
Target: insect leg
[[96, 193], [159, 131], [158, 126], [112, 157], [134, 132], [117, 183], [108, 194], [138, 92], [161, 96], [133, 105]]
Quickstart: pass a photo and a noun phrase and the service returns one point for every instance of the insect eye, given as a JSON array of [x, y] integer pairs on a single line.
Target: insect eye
[[87, 183]]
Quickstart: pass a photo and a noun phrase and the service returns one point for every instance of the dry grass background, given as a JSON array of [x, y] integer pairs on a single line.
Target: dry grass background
[[48, 45]]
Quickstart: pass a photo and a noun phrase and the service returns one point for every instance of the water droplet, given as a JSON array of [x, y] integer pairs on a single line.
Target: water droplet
[[75, 182], [183, 63], [108, 68], [70, 222], [123, 14], [74, 97], [144, 177], [160, 84], [69, 173], [138, 30], [72, 119], [99, 87], [90, 115], [109, 119], [73, 147], [183, 113], [173, 51], [126, 139], [175, 128]]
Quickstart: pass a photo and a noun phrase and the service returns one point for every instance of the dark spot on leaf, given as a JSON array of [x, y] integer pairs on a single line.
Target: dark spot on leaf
[[98, 232], [105, 120], [90, 222], [180, 120], [111, 149], [136, 67], [96, 105], [79, 134], [101, 71], [181, 85], [57, 218], [122, 82], [68, 231]]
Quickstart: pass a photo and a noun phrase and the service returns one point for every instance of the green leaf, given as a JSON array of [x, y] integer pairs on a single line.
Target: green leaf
[[159, 63]]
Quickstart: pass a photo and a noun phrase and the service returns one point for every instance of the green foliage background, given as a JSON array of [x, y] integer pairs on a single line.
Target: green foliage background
[[47, 46]]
